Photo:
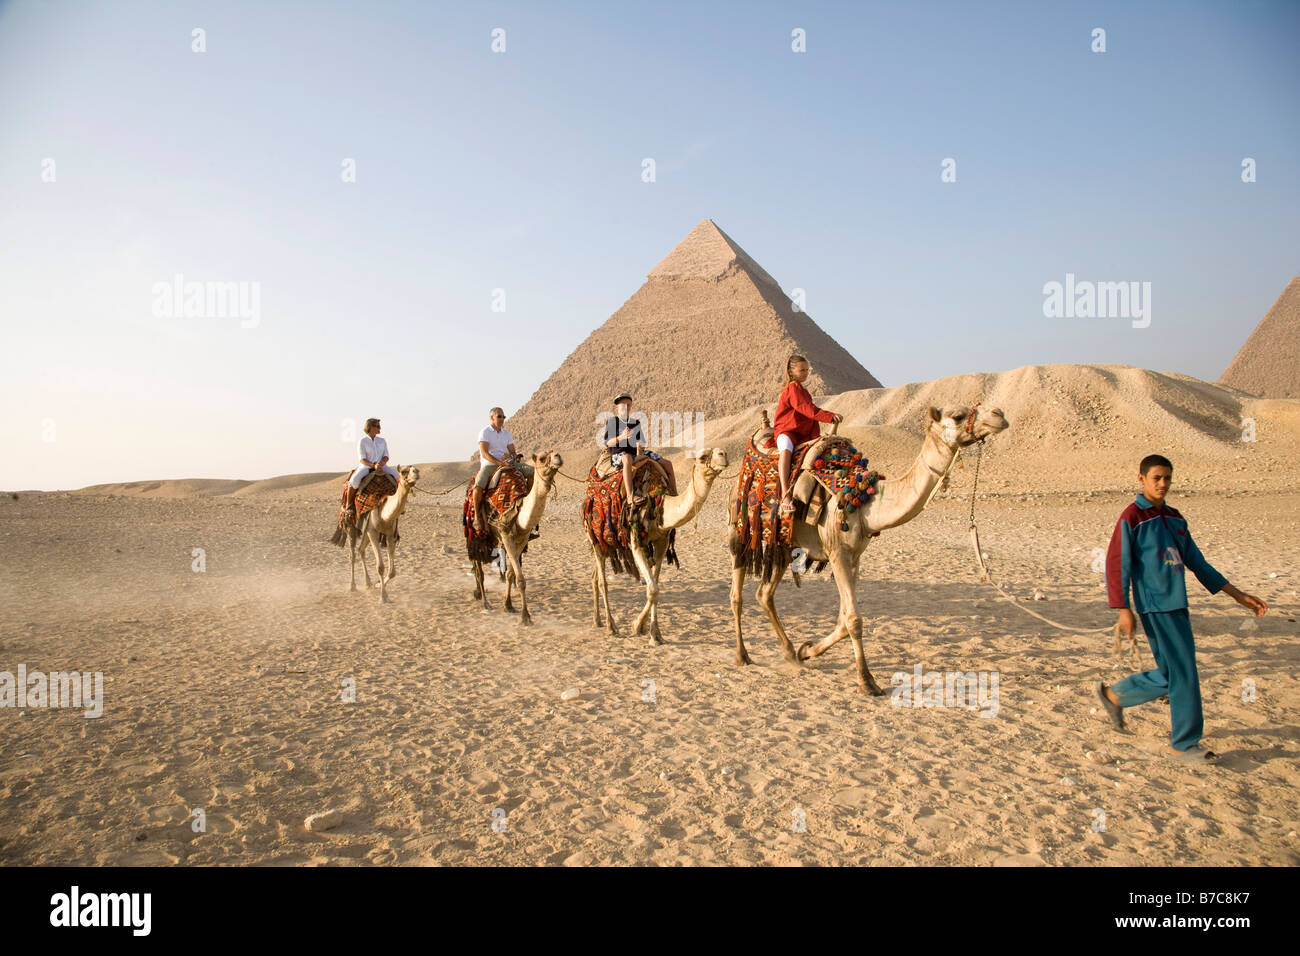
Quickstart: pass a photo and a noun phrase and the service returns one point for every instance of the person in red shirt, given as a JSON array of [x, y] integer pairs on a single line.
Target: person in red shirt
[[796, 421]]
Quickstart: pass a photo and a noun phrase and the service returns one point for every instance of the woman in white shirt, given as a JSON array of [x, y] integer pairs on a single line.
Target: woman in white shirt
[[372, 454]]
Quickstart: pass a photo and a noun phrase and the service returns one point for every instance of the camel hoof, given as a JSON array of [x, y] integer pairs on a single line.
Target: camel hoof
[[742, 660], [656, 640], [510, 608], [525, 621], [871, 690], [802, 654]]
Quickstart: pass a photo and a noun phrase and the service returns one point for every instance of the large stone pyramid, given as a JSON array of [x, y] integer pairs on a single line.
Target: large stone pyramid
[[708, 333], [1268, 365]]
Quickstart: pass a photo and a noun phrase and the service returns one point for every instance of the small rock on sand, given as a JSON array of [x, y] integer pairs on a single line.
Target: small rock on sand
[[571, 694], [323, 821]]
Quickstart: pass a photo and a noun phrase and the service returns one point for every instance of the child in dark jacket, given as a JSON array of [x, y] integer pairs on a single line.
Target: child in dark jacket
[[1149, 551]]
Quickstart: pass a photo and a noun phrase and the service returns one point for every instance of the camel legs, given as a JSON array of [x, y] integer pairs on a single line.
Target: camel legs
[[510, 583], [516, 571], [848, 625], [392, 568], [380, 572], [651, 575], [737, 604], [479, 590], [352, 547], [364, 535], [599, 590], [766, 595]]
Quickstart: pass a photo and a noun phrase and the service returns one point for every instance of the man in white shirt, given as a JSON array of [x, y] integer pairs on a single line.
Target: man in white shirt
[[372, 454], [496, 446]]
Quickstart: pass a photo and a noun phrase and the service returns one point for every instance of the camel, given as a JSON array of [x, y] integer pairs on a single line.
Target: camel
[[896, 502], [678, 510], [377, 528], [512, 535]]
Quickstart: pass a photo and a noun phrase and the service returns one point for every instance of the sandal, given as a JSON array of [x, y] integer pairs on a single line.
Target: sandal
[[1196, 755], [787, 505], [1114, 711]]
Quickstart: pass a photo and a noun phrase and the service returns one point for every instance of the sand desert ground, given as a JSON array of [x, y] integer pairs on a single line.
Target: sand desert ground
[[223, 688]]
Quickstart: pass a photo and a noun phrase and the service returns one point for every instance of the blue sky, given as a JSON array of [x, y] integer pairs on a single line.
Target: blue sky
[[521, 170]]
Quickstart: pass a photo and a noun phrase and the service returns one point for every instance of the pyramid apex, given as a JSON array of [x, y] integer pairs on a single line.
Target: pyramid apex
[[708, 253]]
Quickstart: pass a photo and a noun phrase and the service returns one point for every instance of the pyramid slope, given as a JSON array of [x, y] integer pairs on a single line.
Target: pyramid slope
[[708, 334], [1268, 365]]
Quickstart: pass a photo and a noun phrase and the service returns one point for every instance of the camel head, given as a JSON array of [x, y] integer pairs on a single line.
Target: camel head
[[713, 461], [547, 466], [410, 475], [960, 426]]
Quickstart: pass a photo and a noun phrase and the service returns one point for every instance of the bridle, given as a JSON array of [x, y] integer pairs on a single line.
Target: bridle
[[969, 429]]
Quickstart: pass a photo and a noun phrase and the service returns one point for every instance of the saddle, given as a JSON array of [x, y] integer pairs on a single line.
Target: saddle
[[505, 494], [374, 491], [804, 487], [822, 469], [494, 482], [610, 527], [604, 467]]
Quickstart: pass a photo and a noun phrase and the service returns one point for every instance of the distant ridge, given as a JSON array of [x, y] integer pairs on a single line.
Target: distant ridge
[[1073, 428]]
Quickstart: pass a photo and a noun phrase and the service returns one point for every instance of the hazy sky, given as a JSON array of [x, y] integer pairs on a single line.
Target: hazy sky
[[522, 170]]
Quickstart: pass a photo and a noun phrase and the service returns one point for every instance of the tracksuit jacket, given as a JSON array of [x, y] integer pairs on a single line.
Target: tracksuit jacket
[[1149, 550]]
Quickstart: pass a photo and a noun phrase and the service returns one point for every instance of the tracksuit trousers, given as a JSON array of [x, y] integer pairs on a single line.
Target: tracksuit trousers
[[1170, 635]]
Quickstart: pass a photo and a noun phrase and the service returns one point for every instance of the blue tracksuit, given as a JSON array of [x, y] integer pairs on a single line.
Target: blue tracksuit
[[1149, 552]]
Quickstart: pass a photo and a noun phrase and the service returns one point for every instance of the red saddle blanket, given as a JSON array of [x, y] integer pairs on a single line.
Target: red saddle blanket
[[508, 495], [370, 497], [608, 526]]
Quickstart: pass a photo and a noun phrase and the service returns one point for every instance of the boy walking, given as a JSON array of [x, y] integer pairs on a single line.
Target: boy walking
[[1150, 550]]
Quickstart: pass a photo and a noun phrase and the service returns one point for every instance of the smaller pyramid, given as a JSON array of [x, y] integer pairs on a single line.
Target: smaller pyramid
[[1268, 365]]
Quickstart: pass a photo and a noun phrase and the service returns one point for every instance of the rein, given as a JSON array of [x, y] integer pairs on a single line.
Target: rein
[[985, 575]]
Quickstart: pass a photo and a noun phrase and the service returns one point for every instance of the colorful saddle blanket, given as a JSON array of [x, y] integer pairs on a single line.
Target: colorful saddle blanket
[[611, 529], [505, 500], [372, 495], [760, 533]]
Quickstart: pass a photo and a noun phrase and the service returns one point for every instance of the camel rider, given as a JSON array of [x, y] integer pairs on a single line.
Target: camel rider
[[625, 440], [372, 455], [496, 446], [796, 421]]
